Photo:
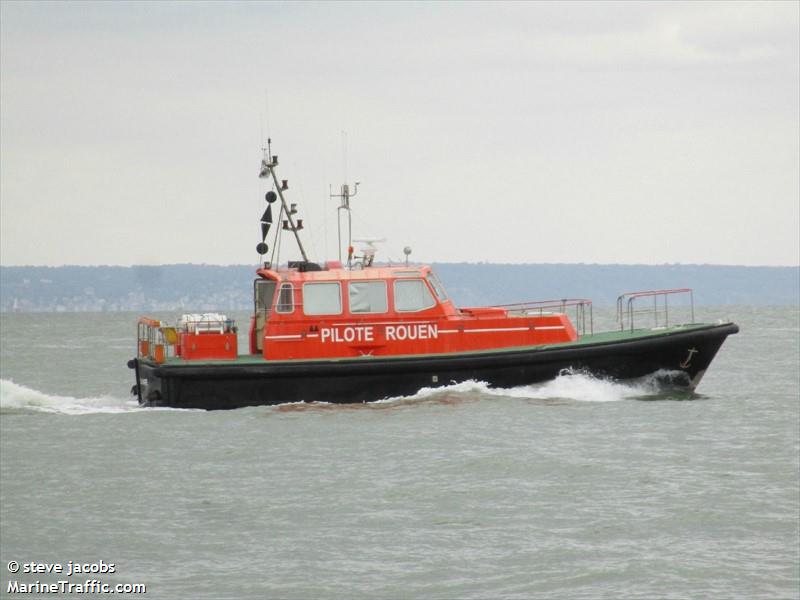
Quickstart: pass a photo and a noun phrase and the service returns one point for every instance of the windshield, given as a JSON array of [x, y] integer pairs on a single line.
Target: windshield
[[437, 286]]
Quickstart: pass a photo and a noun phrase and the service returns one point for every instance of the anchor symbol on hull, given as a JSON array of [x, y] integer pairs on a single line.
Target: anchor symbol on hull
[[685, 364]]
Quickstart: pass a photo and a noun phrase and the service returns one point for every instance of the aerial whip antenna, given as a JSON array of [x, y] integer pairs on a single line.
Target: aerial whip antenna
[[344, 195]]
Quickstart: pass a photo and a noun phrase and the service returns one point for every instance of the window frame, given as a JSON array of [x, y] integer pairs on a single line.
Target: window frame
[[371, 312], [421, 280], [338, 284], [285, 285], [267, 305], [436, 285]]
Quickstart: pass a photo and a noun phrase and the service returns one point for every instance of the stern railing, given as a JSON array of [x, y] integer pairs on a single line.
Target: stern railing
[[580, 306], [627, 311], [155, 341]]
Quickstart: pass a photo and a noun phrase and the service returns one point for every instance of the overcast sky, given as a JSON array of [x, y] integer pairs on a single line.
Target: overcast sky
[[554, 132]]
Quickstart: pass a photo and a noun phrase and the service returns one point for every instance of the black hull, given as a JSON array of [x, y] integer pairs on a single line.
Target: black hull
[[238, 384]]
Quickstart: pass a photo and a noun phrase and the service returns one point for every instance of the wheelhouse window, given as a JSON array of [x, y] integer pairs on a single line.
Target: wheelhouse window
[[263, 294], [411, 295], [322, 298], [285, 299], [368, 297], [437, 287]]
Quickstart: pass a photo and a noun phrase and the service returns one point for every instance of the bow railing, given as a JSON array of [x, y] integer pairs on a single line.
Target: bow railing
[[628, 312]]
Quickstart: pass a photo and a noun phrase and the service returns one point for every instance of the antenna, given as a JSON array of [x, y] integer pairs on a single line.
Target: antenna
[[345, 196], [345, 193], [266, 110], [344, 154]]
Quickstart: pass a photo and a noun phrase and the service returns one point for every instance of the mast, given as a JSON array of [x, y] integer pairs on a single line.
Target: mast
[[268, 164]]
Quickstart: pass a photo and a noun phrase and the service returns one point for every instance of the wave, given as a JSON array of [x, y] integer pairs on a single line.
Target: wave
[[577, 386], [585, 387], [569, 386], [18, 398]]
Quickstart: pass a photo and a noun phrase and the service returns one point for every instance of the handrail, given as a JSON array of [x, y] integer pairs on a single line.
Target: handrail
[[154, 339], [540, 306], [626, 311]]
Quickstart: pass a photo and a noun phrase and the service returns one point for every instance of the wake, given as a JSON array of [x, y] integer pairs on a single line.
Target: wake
[[569, 386], [18, 398]]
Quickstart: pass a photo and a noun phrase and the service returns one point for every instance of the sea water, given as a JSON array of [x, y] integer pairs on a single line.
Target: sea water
[[575, 488]]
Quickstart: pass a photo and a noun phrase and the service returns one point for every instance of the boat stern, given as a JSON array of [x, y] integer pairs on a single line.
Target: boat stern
[[147, 388]]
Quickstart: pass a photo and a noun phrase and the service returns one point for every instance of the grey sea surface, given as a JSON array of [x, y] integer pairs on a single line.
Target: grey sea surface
[[576, 488]]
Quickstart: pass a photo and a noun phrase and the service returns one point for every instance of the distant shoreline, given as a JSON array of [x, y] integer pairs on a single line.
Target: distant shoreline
[[474, 263], [210, 287]]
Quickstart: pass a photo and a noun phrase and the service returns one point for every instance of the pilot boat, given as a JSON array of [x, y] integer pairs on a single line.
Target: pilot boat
[[352, 331]]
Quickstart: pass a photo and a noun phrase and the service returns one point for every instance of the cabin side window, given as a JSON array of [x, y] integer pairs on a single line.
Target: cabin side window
[[285, 302], [411, 295], [368, 297], [322, 298], [437, 287]]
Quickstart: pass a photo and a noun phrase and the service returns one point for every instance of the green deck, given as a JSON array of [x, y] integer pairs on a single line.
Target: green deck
[[596, 338]]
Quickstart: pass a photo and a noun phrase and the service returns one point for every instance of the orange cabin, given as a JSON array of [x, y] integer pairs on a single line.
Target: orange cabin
[[383, 311]]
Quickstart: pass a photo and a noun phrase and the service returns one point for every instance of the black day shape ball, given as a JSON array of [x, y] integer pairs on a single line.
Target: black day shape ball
[[271, 197], [262, 248]]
